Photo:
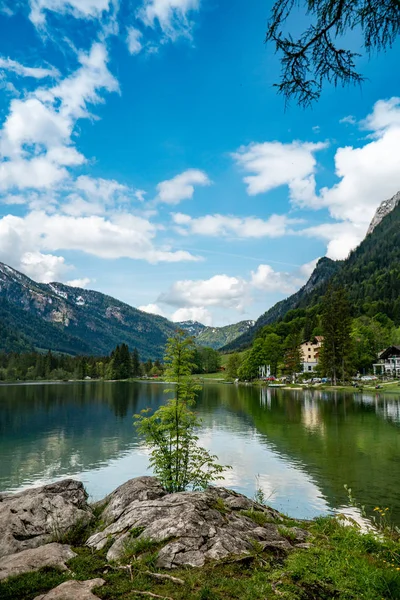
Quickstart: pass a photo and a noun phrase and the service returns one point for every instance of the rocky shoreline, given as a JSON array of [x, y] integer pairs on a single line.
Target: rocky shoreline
[[189, 529]]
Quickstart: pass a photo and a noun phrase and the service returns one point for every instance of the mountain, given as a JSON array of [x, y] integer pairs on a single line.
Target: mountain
[[217, 337], [386, 207], [73, 320], [371, 276], [78, 321], [322, 273], [193, 328]]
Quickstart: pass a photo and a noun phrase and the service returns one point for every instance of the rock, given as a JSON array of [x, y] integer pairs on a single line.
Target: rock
[[73, 590], [386, 207], [140, 488], [193, 526], [37, 516], [50, 555]]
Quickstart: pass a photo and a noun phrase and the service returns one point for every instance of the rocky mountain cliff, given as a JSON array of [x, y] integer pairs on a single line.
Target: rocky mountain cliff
[[79, 321], [74, 320], [386, 207]]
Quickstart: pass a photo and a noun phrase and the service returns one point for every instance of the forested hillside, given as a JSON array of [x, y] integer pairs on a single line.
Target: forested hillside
[[370, 275]]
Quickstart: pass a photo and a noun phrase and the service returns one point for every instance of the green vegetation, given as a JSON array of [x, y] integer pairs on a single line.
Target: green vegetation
[[341, 562], [170, 432], [216, 337]]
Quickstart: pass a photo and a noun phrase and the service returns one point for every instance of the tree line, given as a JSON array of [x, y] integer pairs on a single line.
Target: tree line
[[120, 364], [351, 344]]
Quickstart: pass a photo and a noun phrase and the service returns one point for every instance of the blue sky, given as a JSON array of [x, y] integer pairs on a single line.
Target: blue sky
[[144, 153]]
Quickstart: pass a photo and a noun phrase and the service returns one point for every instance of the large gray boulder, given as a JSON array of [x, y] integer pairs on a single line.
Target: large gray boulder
[[50, 555], [40, 515], [195, 526], [73, 590]]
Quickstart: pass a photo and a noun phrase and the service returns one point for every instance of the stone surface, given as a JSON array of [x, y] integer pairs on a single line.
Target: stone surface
[[195, 526], [73, 590], [50, 555], [37, 516], [384, 209]]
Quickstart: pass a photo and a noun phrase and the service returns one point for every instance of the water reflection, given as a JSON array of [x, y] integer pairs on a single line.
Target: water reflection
[[303, 445]]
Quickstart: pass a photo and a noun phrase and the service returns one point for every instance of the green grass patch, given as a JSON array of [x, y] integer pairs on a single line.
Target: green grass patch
[[259, 517], [341, 564]]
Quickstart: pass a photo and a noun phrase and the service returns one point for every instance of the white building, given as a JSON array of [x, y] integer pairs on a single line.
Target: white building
[[310, 353], [389, 362]]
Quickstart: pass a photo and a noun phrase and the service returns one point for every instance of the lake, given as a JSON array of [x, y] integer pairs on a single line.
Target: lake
[[300, 447]]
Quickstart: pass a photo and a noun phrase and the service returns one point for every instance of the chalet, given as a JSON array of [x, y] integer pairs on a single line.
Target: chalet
[[389, 362], [310, 353]]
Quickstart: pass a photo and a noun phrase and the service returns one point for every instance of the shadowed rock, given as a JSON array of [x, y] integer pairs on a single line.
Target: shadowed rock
[[73, 590], [50, 555], [37, 516], [195, 526]]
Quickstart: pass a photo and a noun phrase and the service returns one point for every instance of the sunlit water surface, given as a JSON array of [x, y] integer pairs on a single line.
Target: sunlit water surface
[[300, 447]]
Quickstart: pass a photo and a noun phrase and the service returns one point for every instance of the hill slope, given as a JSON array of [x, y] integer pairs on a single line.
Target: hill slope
[[371, 276], [78, 321], [322, 273], [58, 317]]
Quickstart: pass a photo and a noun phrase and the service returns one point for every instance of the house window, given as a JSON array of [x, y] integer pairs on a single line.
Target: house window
[[310, 368]]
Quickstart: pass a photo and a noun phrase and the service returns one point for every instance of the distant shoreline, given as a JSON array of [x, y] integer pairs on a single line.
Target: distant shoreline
[[386, 389]]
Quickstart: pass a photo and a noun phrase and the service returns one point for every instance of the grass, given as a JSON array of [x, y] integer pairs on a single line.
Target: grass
[[341, 564]]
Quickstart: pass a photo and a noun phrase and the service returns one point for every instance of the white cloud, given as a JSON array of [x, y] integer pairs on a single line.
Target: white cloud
[[266, 279], [81, 9], [228, 225], [197, 300], [349, 120], [341, 237], [42, 267], [172, 16], [79, 283], [368, 174], [220, 290], [134, 40], [123, 235], [385, 115], [181, 187], [152, 309], [36, 146], [200, 314], [8, 64], [272, 164]]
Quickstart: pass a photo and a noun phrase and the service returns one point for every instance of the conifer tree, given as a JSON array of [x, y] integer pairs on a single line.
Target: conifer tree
[[336, 351], [135, 363], [293, 355]]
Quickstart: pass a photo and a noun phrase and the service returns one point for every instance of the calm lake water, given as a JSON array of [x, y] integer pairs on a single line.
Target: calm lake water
[[302, 446]]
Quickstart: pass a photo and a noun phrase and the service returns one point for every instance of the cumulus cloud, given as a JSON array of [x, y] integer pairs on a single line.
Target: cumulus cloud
[[181, 187], [153, 309], [172, 16], [79, 283], [220, 290], [272, 164], [196, 300], [134, 40], [341, 237], [7, 64], [41, 267], [123, 235], [202, 315], [228, 225], [367, 174], [36, 146], [267, 279]]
